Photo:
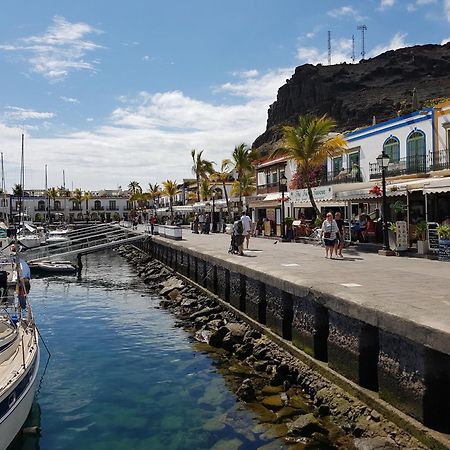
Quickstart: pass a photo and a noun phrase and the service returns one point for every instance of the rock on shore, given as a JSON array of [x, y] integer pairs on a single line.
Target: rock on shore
[[293, 402]]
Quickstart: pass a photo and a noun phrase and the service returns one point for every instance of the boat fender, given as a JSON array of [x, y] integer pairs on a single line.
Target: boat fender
[[31, 430]]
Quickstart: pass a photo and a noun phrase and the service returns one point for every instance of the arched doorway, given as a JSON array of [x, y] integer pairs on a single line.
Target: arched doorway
[[416, 152]]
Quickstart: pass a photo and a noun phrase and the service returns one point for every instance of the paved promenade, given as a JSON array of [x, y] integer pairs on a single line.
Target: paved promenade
[[409, 296]]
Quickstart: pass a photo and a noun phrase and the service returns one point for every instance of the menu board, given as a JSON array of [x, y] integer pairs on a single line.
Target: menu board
[[433, 238], [444, 250], [402, 236]]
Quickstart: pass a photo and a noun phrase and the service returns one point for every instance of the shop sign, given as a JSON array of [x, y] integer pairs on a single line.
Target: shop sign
[[319, 193]]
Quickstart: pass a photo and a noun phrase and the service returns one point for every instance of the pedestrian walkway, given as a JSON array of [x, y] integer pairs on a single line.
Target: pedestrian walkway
[[409, 295]]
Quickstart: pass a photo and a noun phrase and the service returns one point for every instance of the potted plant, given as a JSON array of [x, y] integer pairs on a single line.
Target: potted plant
[[421, 235], [392, 235], [288, 224], [443, 232]]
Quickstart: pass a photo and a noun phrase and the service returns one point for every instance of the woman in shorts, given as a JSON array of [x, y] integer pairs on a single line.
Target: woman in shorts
[[329, 232], [340, 235]]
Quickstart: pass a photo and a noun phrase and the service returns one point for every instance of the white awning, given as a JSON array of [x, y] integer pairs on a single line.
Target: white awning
[[437, 185], [183, 208], [276, 196]]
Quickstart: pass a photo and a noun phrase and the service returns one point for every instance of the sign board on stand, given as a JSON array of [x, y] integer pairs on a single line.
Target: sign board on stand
[[402, 236]]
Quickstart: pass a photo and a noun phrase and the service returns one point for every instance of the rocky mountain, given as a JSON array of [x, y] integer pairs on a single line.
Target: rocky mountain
[[352, 94]]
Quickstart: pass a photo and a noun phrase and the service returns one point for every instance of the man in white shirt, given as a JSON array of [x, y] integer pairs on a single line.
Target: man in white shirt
[[246, 221]]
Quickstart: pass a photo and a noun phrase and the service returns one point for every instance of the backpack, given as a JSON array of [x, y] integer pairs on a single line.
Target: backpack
[[239, 227]]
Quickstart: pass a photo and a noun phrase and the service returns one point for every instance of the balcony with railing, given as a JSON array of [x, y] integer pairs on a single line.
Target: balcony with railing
[[268, 188], [341, 177], [441, 160], [97, 208], [404, 166]]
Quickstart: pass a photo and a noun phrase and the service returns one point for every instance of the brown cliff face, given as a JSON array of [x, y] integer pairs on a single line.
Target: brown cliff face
[[353, 93]]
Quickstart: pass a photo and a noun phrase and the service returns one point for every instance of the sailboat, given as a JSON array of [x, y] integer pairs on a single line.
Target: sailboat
[[19, 351]]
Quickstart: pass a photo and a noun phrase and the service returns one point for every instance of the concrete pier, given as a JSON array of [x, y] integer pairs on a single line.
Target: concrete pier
[[383, 323]]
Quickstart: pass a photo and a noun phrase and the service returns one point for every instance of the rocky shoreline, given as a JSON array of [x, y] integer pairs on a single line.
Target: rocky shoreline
[[292, 402]]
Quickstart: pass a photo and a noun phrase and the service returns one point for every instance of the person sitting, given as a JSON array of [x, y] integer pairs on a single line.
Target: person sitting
[[363, 228], [342, 175]]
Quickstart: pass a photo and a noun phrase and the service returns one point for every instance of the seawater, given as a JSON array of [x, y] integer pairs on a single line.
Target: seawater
[[122, 375]]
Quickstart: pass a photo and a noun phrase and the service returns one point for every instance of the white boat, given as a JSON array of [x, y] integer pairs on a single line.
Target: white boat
[[28, 236], [58, 237], [19, 364], [52, 267]]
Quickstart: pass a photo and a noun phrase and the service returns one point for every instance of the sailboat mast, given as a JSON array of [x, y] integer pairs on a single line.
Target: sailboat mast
[[4, 204], [47, 209]]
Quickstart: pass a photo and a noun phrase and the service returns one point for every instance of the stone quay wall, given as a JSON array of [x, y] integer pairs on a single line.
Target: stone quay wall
[[406, 374]]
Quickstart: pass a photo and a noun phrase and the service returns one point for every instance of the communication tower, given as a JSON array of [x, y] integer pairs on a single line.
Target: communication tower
[[363, 29], [329, 48], [353, 48]]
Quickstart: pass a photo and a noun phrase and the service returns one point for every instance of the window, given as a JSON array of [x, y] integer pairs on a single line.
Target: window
[[353, 158], [97, 204], [392, 148], [57, 205], [337, 165], [41, 205], [261, 178], [415, 151], [112, 205], [448, 138]]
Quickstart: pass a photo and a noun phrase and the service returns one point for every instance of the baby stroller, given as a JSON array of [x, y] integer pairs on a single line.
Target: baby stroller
[[235, 235], [233, 245]]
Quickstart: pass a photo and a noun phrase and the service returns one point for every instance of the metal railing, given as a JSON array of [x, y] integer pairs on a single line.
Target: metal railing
[[440, 161], [404, 166], [341, 177]]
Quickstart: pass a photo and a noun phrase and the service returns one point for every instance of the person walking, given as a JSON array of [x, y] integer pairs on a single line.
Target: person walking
[[152, 224], [238, 236], [246, 222], [207, 223], [201, 222], [340, 235], [329, 232]]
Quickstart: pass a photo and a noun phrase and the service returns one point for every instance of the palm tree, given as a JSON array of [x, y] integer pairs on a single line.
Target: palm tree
[[309, 144], [241, 163], [170, 189], [53, 194], [133, 189], [206, 189], [155, 192], [201, 168], [86, 197], [18, 190], [77, 197], [247, 184], [223, 176]]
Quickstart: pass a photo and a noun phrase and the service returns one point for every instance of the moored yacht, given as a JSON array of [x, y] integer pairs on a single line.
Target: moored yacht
[[19, 364]]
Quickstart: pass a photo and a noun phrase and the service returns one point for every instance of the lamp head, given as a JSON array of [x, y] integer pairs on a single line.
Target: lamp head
[[283, 180], [382, 160]]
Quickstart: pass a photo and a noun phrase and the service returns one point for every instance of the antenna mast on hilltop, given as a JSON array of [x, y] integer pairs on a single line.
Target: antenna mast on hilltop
[[329, 48], [363, 29], [353, 48]]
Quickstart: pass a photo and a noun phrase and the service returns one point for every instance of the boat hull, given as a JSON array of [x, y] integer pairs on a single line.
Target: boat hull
[[13, 419]]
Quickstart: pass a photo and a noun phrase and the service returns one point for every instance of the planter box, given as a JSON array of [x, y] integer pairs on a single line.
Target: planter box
[[444, 250], [422, 247], [170, 232]]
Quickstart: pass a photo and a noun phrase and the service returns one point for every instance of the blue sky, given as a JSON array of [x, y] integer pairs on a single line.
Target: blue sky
[[112, 91]]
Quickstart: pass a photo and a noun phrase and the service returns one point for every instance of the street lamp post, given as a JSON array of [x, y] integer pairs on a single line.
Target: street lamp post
[[213, 229], [283, 189], [383, 161]]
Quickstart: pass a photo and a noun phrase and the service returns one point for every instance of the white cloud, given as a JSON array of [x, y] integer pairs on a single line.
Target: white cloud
[[341, 51], [445, 41], [386, 4], [397, 41], [148, 137], [345, 11], [147, 58], [69, 99], [447, 9], [59, 51], [14, 113]]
